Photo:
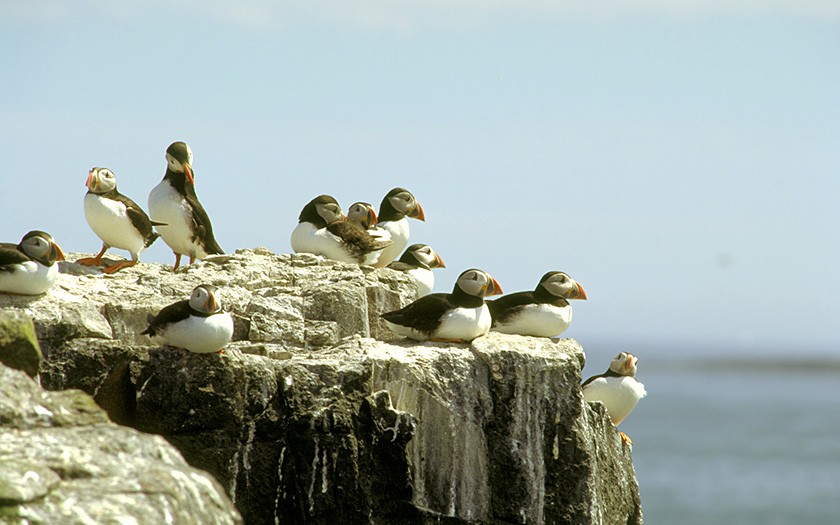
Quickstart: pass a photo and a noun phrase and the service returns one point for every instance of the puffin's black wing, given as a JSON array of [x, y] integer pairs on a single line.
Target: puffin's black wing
[[169, 314], [139, 219], [201, 225], [9, 254], [508, 305], [608, 373], [423, 314], [401, 266], [356, 239]]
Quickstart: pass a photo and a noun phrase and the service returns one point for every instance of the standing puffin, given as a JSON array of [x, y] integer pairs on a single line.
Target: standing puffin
[[29, 267], [460, 316], [186, 226], [617, 389], [116, 219], [323, 230], [417, 261], [397, 206], [197, 324], [545, 312]]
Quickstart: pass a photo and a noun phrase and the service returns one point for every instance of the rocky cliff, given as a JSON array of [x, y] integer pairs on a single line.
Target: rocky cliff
[[315, 414]]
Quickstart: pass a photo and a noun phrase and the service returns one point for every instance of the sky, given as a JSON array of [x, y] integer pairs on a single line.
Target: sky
[[679, 159]]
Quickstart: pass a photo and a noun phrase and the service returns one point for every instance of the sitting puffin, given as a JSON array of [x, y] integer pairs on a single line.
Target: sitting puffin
[[617, 389], [545, 312], [185, 226], [116, 219], [418, 262], [323, 230], [397, 206], [364, 214], [460, 316], [197, 324], [29, 267]]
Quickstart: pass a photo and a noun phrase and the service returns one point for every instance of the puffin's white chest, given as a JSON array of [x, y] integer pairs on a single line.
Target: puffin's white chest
[[399, 232], [619, 394], [28, 278], [202, 335], [538, 320], [168, 206], [424, 279], [308, 238], [110, 222]]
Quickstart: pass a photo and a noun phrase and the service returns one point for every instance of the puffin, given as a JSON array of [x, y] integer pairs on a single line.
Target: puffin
[[185, 226], [617, 389], [397, 206], [324, 230], [364, 214], [197, 324], [116, 219], [417, 261], [29, 267], [544, 312], [458, 317]]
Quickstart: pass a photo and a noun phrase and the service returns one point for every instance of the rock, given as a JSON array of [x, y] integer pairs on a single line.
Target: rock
[[62, 461], [19, 347], [306, 419]]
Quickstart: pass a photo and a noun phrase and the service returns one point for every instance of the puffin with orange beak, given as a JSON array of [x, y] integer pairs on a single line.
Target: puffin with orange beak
[[544, 312], [397, 207], [29, 267], [197, 324], [186, 227], [457, 317], [116, 219], [617, 389], [417, 262]]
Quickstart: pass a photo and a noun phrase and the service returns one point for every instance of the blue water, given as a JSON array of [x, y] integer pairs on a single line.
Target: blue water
[[737, 440]]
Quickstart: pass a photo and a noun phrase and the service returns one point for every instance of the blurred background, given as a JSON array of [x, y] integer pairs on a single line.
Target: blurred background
[[679, 159]]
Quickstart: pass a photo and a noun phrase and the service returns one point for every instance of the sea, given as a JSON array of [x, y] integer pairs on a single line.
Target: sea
[[742, 437]]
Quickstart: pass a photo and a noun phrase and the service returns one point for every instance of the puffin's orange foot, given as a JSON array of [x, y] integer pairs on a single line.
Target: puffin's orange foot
[[624, 439], [119, 266], [90, 261]]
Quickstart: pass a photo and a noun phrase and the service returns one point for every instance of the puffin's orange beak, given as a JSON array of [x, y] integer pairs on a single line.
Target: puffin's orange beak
[[189, 172], [372, 218], [211, 303], [55, 253], [494, 289], [439, 261], [581, 293], [89, 180], [630, 363], [417, 213]]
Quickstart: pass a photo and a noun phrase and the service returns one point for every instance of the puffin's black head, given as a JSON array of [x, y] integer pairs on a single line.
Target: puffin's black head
[[477, 283], [322, 211], [362, 213], [422, 255], [204, 299], [40, 246], [559, 284], [101, 180], [399, 203], [179, 159], [624, 364]]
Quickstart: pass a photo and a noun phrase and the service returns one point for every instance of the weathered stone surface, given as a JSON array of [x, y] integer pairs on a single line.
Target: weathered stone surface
[[19, 347], [62, 461], [305, 419]]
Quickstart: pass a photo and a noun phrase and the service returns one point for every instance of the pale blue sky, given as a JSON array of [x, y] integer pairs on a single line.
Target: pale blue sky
[[680, 159]]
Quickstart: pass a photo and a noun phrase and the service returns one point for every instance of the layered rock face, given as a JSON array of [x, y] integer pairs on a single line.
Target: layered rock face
[[315, 414]]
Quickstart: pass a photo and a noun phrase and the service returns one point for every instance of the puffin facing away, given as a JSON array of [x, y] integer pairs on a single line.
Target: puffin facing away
[[197, 324], [460, 316], [617, 389], [364, 214], [323, 230], [115, 219], [545, 312], [397, 206], [29, 267], [185, 226], [417, 261]]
